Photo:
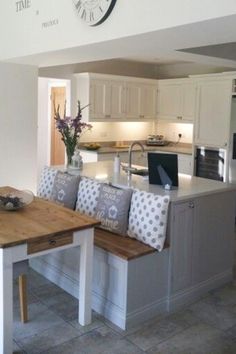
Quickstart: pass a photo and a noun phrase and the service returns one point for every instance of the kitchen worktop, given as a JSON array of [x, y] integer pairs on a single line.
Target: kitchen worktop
[[179, 148], [189, 186]]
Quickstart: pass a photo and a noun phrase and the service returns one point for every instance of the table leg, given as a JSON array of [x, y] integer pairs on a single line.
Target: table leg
[[86, 272], [6, 302]]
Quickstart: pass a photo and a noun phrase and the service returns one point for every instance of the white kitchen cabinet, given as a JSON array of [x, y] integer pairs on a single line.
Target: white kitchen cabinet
[[213, 112], [106, 99], [176, 100], [116, 98], [185, 164]]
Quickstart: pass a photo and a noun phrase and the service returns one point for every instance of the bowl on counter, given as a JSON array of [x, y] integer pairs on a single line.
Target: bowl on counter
[[92, 146], [15, 200]]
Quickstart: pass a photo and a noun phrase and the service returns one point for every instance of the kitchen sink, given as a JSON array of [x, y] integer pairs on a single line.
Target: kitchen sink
[[141, 172], [135, 171]]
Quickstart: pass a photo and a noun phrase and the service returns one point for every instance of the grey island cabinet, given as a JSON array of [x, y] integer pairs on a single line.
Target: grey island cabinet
[[200, 234]]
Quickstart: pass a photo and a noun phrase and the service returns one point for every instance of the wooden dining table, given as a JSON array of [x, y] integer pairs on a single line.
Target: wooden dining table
[[41, 228]]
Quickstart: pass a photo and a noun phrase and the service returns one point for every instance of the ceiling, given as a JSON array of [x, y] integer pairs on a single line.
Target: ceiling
[[210, 43]]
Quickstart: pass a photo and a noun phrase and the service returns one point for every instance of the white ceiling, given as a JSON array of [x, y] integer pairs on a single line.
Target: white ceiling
[[159, 47]]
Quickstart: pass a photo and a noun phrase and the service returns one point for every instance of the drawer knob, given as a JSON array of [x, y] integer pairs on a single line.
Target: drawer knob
[[191, 205], [52, 242]]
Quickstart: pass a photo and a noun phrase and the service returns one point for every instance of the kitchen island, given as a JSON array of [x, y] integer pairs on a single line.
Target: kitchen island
[[200, 234]]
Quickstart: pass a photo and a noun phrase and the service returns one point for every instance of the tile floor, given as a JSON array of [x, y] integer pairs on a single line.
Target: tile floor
[[207, 326]]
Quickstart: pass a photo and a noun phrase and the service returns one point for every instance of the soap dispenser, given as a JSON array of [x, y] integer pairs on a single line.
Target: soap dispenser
[[117, 163]]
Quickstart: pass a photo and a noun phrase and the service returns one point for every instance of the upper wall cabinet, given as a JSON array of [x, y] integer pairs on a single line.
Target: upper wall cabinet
[[176, 100], [213, 112], [116, 98]]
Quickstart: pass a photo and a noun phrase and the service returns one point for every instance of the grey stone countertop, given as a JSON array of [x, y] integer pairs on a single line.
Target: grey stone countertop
[[189, 186], [180, 148]]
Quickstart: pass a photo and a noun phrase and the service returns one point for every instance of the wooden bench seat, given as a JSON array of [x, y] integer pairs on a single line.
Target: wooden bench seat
[[124, 247]]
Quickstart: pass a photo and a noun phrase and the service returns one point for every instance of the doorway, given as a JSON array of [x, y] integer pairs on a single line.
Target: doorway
[[58, 97]]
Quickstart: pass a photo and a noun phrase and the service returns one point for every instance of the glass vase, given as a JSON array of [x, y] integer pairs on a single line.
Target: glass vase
[[69, 153]]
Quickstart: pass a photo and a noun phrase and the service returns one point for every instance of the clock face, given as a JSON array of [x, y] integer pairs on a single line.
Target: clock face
[[94, 12]]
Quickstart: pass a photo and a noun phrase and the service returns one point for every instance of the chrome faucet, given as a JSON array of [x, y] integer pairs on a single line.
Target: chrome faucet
[[129, 168]]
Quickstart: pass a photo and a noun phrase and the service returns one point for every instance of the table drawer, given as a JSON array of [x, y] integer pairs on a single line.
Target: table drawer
[[50, 242]]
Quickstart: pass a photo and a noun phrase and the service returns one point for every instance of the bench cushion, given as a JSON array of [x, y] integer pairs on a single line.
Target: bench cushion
[[46, 181], [113, 208], [65, 189], [148, 218], [123, 247], [87, 197]]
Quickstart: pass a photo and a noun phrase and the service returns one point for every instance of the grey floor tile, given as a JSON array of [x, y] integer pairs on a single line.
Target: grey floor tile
[[36, 280], [198, 339], [67, 310], [226, 295], [41, 318], [209, 311], [155, 332], [46, 292], [17, 349], [96, 323], [53, 336], [99, 341]]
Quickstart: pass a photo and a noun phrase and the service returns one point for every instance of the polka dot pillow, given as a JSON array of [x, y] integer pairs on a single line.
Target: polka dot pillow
[[148, 218], [87, 197], [46, 182]]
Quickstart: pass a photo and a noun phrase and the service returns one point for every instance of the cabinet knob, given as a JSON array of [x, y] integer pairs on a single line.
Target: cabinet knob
[[225, 144], [179, 117], [107, 116], [141, 116], [191, 205]]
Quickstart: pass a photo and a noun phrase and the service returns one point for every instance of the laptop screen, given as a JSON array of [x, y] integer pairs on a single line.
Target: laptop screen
[[163, 169]]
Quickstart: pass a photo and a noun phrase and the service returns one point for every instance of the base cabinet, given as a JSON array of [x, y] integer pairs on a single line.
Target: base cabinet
[[202, 232]]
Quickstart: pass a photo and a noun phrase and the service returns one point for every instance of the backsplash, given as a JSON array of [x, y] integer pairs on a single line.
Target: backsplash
[[118, 131], [171, 131]]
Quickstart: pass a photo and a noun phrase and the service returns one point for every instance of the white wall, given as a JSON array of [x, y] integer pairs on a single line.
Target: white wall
[[171, 131], [118, 131], [27, 34], [18, 128]]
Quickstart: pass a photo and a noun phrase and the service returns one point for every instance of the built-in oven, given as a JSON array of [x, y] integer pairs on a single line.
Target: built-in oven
[[210, 163]]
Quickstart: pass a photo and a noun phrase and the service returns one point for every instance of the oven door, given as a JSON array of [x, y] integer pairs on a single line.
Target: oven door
[[210, 163]]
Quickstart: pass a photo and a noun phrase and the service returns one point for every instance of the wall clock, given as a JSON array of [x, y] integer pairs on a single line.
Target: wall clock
[[94, 12]]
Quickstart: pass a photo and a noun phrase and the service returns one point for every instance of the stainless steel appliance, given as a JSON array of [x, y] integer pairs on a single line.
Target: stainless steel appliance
[[210, 163], [156, 140]]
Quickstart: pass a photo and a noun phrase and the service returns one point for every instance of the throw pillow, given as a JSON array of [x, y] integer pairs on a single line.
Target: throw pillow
[[113, 208], [65, 189], [46, 181], [87, 196], [148, 218]]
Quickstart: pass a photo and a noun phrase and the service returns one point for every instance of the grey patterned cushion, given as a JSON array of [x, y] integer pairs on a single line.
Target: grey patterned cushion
[[46, 182], [65, 189], [87, 196], [113, 208], [148, 218]]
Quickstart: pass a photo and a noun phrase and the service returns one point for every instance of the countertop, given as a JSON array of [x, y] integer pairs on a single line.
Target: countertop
[[180, 148], [189, 186]]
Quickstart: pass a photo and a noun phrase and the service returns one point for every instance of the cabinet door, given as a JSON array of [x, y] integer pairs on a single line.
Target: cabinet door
[[181, 246], [99, 99], [188, 101], [148, 94], [213, 241], [169, 101], [132, 101], [117, 99], [185, 164], [213, 113]]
